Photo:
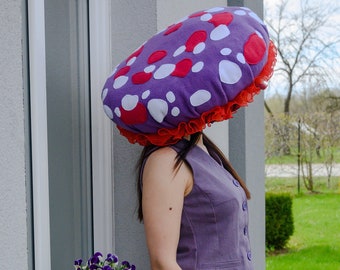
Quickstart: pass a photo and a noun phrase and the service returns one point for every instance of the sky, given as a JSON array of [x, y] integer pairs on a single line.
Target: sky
[[277, 84]]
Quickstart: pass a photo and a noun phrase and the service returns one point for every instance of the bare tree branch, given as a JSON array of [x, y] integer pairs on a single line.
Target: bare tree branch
[[302, 43]]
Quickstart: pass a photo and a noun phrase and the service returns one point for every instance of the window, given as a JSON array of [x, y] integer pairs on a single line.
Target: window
[[69, 162]]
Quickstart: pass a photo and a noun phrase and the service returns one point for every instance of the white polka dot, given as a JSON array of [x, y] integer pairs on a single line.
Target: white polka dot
[[206, 17], [240, 12], [199, 48], [149, 69], [225, 51], [230, 72], [104, 93], [164, 71], [108, 111], [175, 111], [197, 67], [170, 96], [254, 16], [131, 61], [146, 94], [129, 102], [158, 109], [240, 58], [117, 112], [245, 8], [200, 97], [220, 32], [179, 51], [120, 81], [215, 9]]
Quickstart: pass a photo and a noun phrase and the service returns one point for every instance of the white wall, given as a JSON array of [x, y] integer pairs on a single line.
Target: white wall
[[150, 16], [246, 153], [126, 37], [13, 205]]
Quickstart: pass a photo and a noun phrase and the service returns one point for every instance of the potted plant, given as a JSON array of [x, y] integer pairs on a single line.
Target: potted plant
[[97, 262]]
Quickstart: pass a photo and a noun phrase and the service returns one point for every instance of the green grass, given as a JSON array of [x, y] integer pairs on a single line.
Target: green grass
[[290, 185], [315, 244], [292, 159], [311, 258]]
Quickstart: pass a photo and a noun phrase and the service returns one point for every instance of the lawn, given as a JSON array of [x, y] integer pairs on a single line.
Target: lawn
[[315, 244], [292, 159]]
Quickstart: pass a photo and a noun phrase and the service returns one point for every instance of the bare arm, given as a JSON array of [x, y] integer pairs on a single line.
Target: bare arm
[[163, 195]]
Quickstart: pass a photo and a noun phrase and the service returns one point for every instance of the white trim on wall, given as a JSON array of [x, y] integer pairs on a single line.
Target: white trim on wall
[[102, 174], [40, 180]]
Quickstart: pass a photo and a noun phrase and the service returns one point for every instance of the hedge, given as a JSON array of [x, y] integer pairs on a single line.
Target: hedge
[[279, 220]]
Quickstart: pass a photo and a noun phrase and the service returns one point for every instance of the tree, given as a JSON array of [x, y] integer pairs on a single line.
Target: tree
[[314, 131], [330, 140], [306, 34], [279, 133], [328, 104]]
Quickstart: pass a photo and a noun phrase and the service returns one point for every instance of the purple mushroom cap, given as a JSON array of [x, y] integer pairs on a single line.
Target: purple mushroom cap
[[184, 76]]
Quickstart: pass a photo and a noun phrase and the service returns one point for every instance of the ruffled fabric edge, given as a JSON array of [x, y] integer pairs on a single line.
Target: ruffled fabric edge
[[166, 136]]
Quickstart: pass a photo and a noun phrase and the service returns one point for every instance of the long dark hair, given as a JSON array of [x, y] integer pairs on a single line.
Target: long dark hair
[[180, 158]]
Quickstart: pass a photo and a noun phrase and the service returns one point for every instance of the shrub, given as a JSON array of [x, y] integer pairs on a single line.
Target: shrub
[[279, 220]]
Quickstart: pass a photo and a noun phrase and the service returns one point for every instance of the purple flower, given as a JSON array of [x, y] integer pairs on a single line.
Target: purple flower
[[95, 258], [111, 258], [94, 267], [126, 264], [97, 254], [78, 262], [97, 262]]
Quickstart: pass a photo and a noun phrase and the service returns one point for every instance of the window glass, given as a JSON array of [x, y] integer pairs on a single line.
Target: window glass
[[68, 117]]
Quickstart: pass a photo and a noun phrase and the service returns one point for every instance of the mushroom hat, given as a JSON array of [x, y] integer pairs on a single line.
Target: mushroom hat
[[197, 71]]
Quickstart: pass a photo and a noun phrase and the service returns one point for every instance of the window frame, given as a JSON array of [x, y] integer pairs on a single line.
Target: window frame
[[102, 146], [38, 123], [101, 133]]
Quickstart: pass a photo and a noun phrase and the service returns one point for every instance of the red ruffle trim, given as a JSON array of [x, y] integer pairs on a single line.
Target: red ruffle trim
[[166, 136]]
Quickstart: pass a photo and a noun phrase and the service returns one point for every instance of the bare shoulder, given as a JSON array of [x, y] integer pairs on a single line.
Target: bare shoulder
[[159, 171], [165, 157], [160, 165]]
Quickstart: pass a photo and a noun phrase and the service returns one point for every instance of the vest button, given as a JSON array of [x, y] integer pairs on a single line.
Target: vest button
[[249, 255], [244, 206], [245, 230], [236, 183]]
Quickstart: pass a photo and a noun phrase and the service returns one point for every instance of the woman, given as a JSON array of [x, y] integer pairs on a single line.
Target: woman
[[197, 71], [192, 223]]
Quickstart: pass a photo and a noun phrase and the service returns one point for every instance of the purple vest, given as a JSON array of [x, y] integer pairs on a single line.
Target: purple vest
[[214, 226]]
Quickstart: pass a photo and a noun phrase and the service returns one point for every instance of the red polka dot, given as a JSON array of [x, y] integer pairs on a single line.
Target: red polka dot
[[172, 28], [122, 72], [196, 38], [197, 14], [182, 68], [141, 77], [135, 54], [156, 56], [221, 18], [136, 116], [254, 49]]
